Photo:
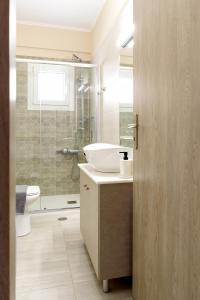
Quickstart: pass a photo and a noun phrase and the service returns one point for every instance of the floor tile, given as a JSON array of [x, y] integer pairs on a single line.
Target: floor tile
[[43, 281], [53, 263], [92, 290], [58, 293]]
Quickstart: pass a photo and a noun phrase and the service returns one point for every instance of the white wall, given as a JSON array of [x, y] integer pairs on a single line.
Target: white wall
[[51, 42], [106, 21]]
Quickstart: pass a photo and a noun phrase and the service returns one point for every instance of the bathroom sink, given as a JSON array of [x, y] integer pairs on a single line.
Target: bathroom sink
[[105, 157]]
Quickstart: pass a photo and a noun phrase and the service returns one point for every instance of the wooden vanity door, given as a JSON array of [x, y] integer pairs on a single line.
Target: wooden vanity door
[[89, 218], [166, 201]]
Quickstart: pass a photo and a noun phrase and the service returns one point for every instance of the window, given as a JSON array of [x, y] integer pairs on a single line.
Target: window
[[50, 87], [126, 85]]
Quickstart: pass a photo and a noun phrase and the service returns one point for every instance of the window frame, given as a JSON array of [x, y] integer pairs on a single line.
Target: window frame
[[34, 103]]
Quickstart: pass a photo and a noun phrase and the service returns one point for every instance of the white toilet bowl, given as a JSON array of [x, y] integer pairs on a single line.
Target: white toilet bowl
[[23, 222]]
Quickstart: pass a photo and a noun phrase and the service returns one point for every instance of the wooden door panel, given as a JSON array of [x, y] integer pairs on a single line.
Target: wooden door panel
[[166, 208]]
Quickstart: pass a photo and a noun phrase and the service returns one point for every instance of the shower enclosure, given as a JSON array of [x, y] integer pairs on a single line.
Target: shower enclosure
[[55, 118]]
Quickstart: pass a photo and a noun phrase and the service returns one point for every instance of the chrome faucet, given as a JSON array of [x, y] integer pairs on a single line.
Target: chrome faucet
[[67, 151]]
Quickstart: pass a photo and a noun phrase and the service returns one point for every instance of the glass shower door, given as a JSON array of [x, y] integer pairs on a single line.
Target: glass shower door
[[64, 133], [55, 120]]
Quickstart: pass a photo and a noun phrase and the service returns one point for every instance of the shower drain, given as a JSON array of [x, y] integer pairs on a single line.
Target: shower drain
[[62, 219]]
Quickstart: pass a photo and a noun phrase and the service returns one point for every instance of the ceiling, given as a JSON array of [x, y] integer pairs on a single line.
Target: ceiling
[[75, 14]]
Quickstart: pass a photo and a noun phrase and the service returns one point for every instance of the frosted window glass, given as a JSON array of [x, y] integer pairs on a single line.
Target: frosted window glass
[[51, 87]]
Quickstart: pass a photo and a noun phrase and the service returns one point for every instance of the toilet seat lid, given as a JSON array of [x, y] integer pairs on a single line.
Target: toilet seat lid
[[33, 190]]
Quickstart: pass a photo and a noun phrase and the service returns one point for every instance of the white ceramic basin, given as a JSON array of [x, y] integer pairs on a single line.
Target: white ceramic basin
[[105, 157]]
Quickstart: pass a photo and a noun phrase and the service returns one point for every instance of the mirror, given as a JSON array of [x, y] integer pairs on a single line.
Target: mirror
[[126, 105], [115, 60], [126, 116]]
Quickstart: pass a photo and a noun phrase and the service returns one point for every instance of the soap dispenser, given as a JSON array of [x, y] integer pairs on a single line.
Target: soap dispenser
[[126, 166]]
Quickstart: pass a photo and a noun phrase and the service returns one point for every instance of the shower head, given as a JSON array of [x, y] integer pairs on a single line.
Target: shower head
[[76, 58]]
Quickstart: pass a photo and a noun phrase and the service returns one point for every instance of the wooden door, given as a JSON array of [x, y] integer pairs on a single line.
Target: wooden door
[[166, 203]]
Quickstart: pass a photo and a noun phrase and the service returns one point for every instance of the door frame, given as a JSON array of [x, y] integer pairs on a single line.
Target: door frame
[[7, 149]]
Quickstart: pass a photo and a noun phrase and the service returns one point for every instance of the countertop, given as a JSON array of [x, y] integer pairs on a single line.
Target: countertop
[[102, 178]]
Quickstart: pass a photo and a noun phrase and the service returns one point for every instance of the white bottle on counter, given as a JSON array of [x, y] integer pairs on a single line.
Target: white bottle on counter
[[126, 166]]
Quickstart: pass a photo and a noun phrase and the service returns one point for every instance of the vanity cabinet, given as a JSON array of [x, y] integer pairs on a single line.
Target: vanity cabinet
[[106, 225]]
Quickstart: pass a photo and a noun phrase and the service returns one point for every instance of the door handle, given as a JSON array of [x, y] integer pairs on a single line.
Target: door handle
[[132, 126], [136, 131]]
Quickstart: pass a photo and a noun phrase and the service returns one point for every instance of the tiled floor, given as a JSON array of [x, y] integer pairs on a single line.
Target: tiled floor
[[53, 264]]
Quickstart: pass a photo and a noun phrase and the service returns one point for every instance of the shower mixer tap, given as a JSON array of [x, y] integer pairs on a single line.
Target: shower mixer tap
[[67, 151]]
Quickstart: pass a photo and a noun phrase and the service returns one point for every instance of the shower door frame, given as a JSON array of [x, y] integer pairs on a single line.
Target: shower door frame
[[41, 208]]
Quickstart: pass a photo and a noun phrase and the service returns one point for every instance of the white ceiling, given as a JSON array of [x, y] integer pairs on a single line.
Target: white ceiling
[[76, 14]]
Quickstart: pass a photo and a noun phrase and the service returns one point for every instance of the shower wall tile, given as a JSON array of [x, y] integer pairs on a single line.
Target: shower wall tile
[[39, 134], [48, 168], [61, 187], [23, 170], [48, 147], [27, 149], [48, 186]]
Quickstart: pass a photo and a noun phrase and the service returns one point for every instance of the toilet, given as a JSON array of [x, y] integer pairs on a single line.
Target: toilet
[[23, 222]]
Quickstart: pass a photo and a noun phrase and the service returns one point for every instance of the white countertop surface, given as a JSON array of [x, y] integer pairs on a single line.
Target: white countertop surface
[[102, 178]]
